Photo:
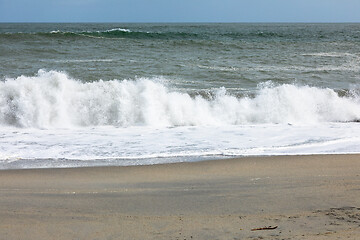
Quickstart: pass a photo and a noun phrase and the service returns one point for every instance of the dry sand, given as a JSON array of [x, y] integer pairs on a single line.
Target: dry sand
[[305, 197]]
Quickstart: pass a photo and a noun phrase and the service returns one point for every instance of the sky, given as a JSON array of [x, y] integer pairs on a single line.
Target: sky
[[179, 10]]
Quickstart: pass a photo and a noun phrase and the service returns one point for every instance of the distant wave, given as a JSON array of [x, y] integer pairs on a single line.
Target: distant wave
[[110, 33], [117, 29], [53, 99], [126, 33], [237, 34], [138, 34]]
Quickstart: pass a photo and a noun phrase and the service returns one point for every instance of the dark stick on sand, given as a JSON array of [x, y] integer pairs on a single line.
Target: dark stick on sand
[[264, 228]]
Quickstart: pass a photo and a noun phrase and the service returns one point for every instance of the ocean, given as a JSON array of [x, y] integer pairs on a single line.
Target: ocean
[[119, 94]]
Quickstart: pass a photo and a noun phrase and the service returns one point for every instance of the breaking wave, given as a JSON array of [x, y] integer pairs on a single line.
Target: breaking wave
[[54, 99]]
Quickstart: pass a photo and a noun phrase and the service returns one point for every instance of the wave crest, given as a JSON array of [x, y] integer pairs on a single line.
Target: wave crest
[[53, 99], [111, 33]]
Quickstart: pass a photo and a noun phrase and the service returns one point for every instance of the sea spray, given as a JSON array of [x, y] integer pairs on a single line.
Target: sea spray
[[54, 99]]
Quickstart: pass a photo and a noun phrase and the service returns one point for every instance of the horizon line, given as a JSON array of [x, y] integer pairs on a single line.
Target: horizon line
[[187, 22]]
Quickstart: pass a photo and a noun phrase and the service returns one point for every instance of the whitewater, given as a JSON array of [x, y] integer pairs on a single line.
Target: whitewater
[[55, 100], [53, 120]]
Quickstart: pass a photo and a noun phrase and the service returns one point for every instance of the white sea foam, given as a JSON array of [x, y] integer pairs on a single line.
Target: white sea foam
[[118, 29], [52, 99], [52, 120], [33, 148]]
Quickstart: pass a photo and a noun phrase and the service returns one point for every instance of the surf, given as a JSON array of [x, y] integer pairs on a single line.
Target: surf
[[52, 99]]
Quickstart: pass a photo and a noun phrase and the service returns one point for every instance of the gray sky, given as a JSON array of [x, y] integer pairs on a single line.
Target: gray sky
[[179, 10]]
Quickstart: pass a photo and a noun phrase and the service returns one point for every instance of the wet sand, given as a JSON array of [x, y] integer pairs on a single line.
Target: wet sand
[[301, 197]]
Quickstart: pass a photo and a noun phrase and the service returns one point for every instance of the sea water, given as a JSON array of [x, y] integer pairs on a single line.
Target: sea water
[[75, 95]]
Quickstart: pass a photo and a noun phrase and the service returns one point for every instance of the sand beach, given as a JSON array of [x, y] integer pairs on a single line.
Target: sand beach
[[278, 197]]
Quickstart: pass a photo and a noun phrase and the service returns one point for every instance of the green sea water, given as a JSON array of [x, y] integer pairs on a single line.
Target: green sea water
[[191, 56]]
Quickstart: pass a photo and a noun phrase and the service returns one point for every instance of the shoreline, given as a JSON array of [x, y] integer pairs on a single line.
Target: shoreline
[[309, 196], [203, 159]]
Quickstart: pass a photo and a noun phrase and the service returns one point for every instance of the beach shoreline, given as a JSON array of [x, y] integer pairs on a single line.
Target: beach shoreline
[[301, 197]]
